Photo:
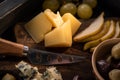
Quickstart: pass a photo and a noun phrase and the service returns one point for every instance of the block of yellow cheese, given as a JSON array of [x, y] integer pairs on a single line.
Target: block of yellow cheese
[[55, 19], [60, 36], [75, 23], [38, 27]]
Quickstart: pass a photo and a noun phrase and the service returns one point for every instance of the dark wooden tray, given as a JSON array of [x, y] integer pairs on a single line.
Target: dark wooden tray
[[82, 69]]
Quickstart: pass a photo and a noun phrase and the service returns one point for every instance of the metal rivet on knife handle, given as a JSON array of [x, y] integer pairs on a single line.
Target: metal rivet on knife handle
[[49, 58], [71, 58], [59, 58]]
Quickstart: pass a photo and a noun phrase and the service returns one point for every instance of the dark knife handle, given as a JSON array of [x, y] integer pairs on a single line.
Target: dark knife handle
[[10, 48]]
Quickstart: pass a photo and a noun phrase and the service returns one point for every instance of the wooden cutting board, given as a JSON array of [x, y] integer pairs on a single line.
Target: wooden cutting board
[[82, 69]]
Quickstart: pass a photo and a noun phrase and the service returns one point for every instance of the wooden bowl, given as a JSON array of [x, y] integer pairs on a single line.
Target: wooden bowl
[[100, 53]]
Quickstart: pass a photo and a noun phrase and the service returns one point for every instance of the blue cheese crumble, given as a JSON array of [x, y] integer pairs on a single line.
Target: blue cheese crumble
[[28, 72], [52, 73]]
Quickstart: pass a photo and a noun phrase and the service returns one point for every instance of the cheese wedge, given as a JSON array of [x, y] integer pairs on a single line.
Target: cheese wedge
[[59, 37], [55, 19], [75, 23], [92, 29], [38, 27]]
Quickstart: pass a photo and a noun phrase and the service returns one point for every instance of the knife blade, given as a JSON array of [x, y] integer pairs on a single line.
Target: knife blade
[[36, 56]]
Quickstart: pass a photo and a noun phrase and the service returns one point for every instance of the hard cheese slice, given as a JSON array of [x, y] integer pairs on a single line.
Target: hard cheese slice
[[59, 37], [75, 23], [38, 27], [55, 19]]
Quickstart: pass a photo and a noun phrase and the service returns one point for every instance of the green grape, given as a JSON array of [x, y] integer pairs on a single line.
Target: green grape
[[75, 1], [51, 4], [68, 8], [92, 3], [65, 1], [84, 11]]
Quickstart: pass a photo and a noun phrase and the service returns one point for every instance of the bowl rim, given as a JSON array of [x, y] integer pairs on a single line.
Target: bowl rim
[[106, 42]]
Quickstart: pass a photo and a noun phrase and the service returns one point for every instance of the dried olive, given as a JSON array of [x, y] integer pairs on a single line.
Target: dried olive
[[114, 74], [116, 51]]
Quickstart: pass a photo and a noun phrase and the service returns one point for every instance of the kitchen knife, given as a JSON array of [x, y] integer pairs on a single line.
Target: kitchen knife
[[37, 56]]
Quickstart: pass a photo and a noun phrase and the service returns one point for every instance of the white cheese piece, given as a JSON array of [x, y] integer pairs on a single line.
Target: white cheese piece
[[31, 73], [52, 74], [28, 71], [38, 27]]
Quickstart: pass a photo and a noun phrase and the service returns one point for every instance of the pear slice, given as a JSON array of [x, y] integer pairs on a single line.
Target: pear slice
[[92, 49], [106, 27], [108, 35], [92, 29], [117, 33], [111, 31], [91, 44], [117, 30]]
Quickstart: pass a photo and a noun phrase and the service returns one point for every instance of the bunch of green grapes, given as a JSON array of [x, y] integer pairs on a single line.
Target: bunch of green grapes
[[81, 8]]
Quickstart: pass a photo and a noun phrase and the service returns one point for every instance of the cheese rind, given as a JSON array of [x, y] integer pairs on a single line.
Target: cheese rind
[[55, 19], [38, 27], [59, 37], [75, 23]]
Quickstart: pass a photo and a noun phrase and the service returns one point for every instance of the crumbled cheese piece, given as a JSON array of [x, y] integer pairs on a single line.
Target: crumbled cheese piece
[[52, 73], [29, 72]]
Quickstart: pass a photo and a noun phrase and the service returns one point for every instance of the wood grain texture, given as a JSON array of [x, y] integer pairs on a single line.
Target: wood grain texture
[[10, 48]]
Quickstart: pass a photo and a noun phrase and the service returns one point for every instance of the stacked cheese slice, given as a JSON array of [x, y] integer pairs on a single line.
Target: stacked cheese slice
[[56, 31]]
